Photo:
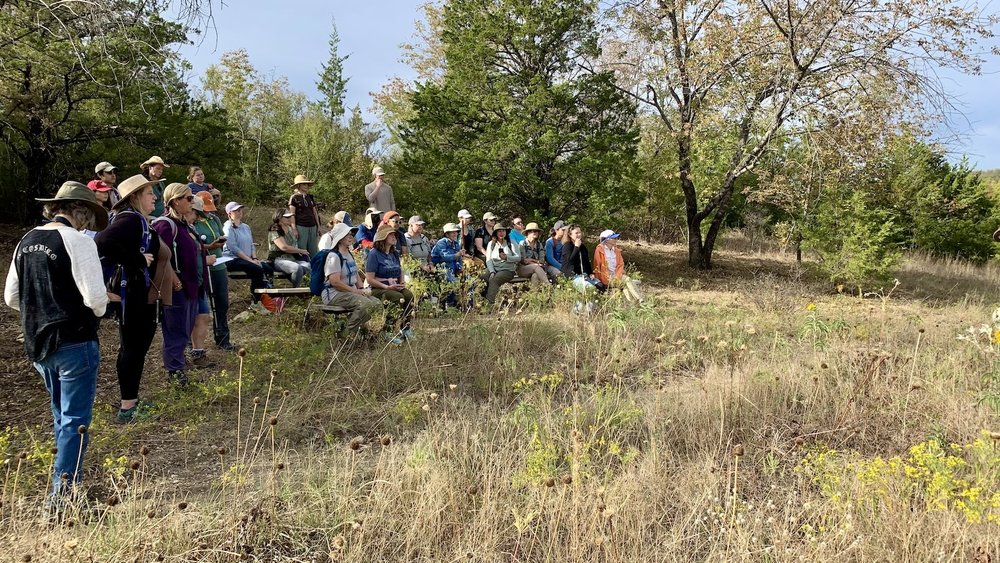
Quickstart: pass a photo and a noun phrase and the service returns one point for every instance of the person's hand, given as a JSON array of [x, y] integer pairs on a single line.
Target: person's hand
[[149, 259], [114, 297], [178, 285], [210, 260], [462, 253]]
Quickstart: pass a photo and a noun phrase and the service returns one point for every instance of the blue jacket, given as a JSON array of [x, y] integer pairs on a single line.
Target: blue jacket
[[553, 253], [446, 252]]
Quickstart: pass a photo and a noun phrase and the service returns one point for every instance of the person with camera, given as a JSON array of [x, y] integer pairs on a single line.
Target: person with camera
[[502, 258]]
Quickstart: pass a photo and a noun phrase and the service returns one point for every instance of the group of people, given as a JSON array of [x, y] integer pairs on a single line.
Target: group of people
[[150, 253]]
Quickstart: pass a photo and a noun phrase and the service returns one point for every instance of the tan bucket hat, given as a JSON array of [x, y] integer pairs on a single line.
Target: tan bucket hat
[[301, 179], [451, 228], [532, 227], [382, 233], [130, 186], [75, 191], [151, 161]]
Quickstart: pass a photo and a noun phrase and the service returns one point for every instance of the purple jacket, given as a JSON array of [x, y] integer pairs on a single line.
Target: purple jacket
[[188, 254]]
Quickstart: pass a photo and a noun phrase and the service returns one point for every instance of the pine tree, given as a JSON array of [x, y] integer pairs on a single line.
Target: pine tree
[[332, 83]]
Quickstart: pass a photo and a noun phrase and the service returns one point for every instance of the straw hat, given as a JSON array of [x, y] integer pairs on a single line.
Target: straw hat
[[301, 179], [532, 227], [383, 232], [451, 228], [151, 161], [75, 191], [129, 187], [339, 231]]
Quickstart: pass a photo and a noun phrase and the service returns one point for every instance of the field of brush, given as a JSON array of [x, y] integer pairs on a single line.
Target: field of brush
[[752, 413]]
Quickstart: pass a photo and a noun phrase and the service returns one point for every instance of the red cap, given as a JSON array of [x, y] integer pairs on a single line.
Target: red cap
[[98, 186]]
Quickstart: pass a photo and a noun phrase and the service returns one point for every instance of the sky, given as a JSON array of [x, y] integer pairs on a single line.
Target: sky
[[289, 38]]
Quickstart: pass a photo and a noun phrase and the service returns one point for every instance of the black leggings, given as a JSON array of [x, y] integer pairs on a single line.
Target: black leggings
[[255, 272], [136, 329]]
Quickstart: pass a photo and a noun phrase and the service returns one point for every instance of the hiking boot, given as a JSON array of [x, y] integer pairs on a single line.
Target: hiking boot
[[408, 334], [228, 347], [178, 377], [259, 309], [200, 360], [135, 414], [392, 338]]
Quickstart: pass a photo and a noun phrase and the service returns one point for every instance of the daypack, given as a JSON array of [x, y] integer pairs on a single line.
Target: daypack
[[114, 274], [317, 263]]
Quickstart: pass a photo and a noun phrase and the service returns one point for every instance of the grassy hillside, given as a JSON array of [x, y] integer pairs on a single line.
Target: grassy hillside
[[748, 414]]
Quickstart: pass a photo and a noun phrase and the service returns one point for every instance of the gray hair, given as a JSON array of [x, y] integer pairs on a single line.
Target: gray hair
[[81, 214]]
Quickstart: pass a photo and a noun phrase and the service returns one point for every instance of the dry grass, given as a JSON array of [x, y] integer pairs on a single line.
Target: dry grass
[[728, 420]]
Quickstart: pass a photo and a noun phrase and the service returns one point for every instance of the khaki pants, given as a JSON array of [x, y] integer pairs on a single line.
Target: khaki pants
[[494, 282], [361, 306], [535, 273], [395, 300]]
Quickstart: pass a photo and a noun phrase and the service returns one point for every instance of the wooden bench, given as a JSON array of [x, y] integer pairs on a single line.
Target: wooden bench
[[245, 276]]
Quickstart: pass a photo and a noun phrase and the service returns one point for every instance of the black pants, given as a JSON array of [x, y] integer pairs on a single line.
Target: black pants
[[220, 297], [255, 272], [136, 328]]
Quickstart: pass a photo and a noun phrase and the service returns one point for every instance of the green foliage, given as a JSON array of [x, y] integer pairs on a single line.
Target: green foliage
[[516, 124], [854, 239], [332, 83]]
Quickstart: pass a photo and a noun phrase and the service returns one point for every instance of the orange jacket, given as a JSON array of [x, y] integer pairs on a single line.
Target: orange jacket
[[601, 265]]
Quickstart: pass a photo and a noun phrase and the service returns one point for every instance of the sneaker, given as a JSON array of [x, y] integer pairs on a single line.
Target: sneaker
[[200, 360], [178, 377], [392, 338], [408, 334], [228, 347]]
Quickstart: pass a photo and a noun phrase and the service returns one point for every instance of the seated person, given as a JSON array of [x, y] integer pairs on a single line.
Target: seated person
[[385, 276], [610, 268], [533, 265], [418, 243], [394, 220], [325, 242], [553, 245], [448, 252], [366, 230], [282, 247], [502, 258], [343, 287], [576, 266]]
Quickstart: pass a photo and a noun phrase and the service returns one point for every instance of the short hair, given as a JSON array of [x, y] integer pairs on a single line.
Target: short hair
[[81, 213]]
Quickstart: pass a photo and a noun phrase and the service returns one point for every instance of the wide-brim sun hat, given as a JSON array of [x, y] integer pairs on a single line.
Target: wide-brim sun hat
[[532, 227], [608, 233], [129, 187], [75, 191], [489, 216], [383, 233], [232, 206], [151, 161], [339, 231], [451, 228], [208, 202], [499, 227], [301, 179], [175, 191]]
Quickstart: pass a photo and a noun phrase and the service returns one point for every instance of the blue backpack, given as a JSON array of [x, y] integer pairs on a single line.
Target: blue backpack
[[317, 263]]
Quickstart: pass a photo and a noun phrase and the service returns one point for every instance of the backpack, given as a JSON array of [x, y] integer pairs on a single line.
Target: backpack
[[317, 265], [114, 274]]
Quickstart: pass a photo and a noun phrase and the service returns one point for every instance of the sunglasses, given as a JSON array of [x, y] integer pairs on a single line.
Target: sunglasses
[[190, 198]]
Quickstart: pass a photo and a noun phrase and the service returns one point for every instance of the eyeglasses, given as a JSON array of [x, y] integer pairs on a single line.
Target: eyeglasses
[[190, 198], [519, 224]]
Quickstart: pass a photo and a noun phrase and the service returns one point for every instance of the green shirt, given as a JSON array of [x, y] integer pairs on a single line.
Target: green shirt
[[158, 206], [211, 228], [273, 252]]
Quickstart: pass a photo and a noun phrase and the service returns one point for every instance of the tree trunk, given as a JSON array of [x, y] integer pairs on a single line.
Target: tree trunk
[[699, 256]]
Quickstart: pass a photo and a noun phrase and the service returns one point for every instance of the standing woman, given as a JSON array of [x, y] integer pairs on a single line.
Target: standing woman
[[305, 221], [385, 277], [282, 249], [55, 281], [502, 258], [191, 268], [243, 254], [209, 230], [152, 169], [143, 278]]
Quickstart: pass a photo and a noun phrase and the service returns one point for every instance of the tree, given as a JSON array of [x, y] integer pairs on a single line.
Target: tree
[[755, 70], [332, 83], [516, 123], [66, 82]]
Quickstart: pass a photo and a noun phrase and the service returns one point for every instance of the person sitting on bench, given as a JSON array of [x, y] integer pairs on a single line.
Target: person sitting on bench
[[343, 286], [502, 258], [282, 247], [240, 248]]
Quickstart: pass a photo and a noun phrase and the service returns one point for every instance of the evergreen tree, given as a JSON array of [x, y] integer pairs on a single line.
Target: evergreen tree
[[332, 83]]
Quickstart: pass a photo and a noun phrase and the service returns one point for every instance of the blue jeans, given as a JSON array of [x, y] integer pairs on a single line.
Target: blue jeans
[[178, 322], [70, 375]]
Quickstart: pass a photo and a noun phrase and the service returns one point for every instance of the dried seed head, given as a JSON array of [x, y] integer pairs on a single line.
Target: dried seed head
[[567, 479], [273, 421], [242, 352], [550, 482], [113, 501], [182, 505], [151, 514], [274, 373], [355, 443], [144, 451], [71, 544], [338, 543], [26, 558], [385, 440], [256, 401], [738, 450], [135, 466], [473, 490], [434, 396], [425, 408], [921, 330], [916, 386], [22, 455], [286, 393], [993, 435], [658, 339], [64, 477], [452, 386], [81, 430], [280, 466], [221, 450], [53, 451], [70, 523], [824, 365]]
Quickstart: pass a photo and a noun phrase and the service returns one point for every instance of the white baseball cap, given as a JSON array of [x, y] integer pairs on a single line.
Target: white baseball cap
[[232, 206], [464, 214], [416, 220], [608, 233]]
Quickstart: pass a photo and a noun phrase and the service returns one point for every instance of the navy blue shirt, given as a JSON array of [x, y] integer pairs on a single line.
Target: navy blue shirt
[[384, 266]]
